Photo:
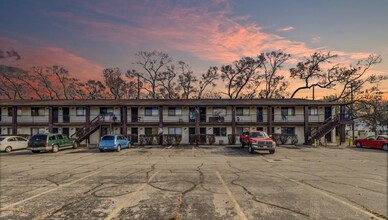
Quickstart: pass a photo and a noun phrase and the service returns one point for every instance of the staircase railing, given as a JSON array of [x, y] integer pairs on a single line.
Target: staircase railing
[[89, 128], [327, 126]]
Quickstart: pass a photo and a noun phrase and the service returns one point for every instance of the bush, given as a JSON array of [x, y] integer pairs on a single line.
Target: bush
[[285, 138]]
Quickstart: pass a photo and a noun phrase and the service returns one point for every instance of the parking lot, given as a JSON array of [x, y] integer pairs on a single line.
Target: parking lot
[[190, 182]]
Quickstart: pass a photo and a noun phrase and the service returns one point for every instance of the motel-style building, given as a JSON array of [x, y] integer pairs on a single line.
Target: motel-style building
[[90, 119]]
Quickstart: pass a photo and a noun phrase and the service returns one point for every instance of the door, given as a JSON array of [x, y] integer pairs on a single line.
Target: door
[[134, 115], [259, 112], [192, 114], [65, 131], [327, 112], [202, 114], [55, 115], [134, 135], [22, 142], [66, 115], [202, 131]]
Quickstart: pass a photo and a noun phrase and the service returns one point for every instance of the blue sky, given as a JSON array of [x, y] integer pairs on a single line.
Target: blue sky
[[87, 36]]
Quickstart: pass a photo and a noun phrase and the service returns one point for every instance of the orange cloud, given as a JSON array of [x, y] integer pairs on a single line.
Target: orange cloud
[[78, 66]]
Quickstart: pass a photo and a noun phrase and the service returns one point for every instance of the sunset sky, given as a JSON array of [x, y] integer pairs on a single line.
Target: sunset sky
[[87, 36]]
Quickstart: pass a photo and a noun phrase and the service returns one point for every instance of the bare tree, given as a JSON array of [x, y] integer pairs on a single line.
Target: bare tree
[[167, 82], [116, 84], [62, 76], [311, 72], [186, 80], [152, 65], [94, 89], [275, 85], [239, 74], [207, 79], [9, 85], [42, 76]]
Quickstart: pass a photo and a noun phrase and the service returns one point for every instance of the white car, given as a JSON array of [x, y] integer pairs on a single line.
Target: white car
[[10, 143]]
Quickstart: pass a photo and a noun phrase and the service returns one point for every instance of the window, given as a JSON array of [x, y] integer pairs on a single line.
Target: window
[[240, 130], [288, 111], [147, 131], [220, 132], [151, 111], [106, 110], [241, 111], [219, 111], [52, 138], [313, 111], [18, 111], [35, 111], [172, 111], [288, 130], [80, 111], [175, 131]]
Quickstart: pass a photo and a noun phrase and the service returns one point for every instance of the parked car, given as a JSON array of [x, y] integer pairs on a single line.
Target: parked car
[[257, 140], [10, 143], [379, 142], [50, 142], [113, 142]]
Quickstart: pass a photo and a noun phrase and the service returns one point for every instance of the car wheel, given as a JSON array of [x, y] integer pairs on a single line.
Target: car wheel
[[55, 148], [8, 149], [101, 150], [271, 151], [385, 147], [118, 148], [250, 149], [242, 144], [358, 144], [35, 151]]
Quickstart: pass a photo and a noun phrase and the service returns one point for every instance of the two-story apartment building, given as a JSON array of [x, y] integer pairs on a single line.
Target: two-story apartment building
[[221, 117]]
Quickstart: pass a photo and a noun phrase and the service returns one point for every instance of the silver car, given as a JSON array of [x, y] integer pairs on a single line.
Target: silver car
[[10, 143]]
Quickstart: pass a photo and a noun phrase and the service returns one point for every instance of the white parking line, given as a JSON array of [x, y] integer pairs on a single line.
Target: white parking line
[[50, 190], [332, 197], [237, 207], [117, 210]]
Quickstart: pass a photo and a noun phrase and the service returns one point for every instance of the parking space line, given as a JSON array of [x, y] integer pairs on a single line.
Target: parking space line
[[371, 181], [237, 207], [50, 190], [373, 216], [117, 210]]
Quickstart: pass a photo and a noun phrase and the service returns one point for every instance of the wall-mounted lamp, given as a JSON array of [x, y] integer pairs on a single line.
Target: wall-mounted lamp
[[141, 128], [72, 128], [209, 128]]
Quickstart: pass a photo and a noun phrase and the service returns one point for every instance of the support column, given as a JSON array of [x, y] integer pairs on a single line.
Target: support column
[[51, 122], [306, 124], [160, 130], [342, 126], [233, 121], [14, 120], [269, 120], [197, 117], [124, 119]]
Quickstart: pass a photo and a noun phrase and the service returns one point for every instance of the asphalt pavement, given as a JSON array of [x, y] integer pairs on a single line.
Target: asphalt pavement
[[195, 182]]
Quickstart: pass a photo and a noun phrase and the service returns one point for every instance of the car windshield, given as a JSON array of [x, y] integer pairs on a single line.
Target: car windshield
[[259, 135], [39, 137], [108, 138], [382, 138]]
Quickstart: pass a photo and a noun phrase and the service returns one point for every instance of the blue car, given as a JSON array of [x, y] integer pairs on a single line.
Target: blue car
[[113, 142]]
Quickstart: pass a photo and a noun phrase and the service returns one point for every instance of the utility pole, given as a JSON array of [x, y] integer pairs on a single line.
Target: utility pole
[[138, 86], [351, 109]]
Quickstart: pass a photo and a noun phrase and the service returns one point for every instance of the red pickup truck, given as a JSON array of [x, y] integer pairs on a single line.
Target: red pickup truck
[[257, 140]]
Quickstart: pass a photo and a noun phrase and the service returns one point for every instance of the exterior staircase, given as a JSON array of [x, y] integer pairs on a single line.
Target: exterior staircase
[[90, 128], [328, 125]]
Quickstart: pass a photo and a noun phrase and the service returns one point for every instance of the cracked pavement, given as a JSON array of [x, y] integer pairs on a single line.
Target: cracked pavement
[[190, 182]]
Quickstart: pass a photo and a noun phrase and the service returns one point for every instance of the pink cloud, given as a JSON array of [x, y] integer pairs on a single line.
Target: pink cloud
[[78, 66], [289, 28]]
